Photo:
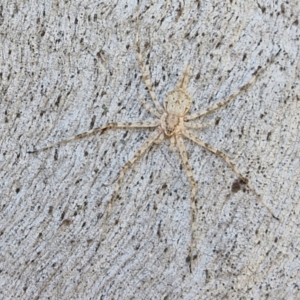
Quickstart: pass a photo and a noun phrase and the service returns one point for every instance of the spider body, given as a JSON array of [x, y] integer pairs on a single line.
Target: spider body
[[176, 105], [173, 121]]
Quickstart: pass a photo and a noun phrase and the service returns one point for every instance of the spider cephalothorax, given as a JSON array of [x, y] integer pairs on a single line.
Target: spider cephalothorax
[[171, 124], [176, 104], [178, 101]]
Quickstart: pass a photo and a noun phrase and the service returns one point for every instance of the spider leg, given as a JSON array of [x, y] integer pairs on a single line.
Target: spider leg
[[153, 138], [210, 148], [184, 79], [100, 129], [146, 77], [187, 167], [159, 139], [258, 72], [149, 108], [197, 126]]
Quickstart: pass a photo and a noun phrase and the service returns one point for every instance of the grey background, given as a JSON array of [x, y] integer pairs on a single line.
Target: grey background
[[69, 65]]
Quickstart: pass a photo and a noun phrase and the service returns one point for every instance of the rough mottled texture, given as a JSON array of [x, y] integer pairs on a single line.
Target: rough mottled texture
[[67, 66]]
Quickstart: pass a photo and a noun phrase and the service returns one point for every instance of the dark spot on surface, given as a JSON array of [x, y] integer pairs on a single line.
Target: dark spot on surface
[[158, 230], [80, 135], [244, 56], [244, 180], [282, 8], [17, 190], [56, 154], [256, 71], [269, 136], [92, 122], [179, 12], [161, 20], [58, 100], [262, 8], [236, 186], [66, 222]]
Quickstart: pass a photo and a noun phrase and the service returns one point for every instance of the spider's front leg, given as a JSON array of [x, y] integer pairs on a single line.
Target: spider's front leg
[[255, 75], [100, 129], [155, 137], [146, 77]]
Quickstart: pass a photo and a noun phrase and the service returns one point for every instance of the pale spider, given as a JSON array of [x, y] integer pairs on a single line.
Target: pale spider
[[172, 121]]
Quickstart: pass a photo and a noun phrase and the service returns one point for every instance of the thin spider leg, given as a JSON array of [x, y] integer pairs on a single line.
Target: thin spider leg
[[258, 72], [154, 136], [184, 79], [101, 130], [146, 77], [210, 148], [187, 167], [197, 126], [149, 108]]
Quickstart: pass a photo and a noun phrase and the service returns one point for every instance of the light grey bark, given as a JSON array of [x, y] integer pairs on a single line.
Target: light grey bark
[[70, 65]]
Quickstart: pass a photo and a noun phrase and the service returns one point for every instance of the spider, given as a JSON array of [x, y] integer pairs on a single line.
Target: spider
[[172, 120]]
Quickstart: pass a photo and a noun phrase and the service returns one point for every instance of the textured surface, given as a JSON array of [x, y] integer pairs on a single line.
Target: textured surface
[[69, 66]]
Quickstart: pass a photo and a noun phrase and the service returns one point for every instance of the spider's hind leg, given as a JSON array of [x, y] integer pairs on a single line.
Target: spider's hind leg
[[184, 79], [210, 148], [187, 167]]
